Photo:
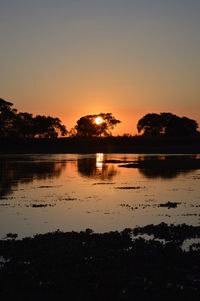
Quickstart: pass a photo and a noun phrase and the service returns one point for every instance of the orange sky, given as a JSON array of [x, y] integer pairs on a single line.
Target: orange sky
[[73, 58]]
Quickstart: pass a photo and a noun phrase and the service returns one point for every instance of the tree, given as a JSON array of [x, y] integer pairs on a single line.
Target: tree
[[150, 125], [48, 127], [87, 126], [7, 118], [181, 127], [24, 125], [166, 124]]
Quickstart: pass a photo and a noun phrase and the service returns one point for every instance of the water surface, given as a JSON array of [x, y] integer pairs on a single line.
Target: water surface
[[41, 193]]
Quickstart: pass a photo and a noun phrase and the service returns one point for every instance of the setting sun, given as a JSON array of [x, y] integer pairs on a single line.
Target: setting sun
[[98, 120]]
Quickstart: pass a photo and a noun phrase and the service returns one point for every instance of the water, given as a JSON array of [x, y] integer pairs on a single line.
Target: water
[[41, 193]]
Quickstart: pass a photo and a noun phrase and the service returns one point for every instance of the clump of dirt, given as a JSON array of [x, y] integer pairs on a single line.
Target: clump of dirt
[[169, 205]]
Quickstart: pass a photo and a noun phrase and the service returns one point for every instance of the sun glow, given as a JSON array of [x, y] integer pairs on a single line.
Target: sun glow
[[98, 120]]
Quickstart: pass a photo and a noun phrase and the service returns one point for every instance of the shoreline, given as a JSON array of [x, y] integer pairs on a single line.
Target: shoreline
[[78, 145]]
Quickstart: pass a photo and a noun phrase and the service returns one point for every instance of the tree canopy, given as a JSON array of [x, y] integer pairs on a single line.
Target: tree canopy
[[7, 117], [24, 125], [166, 124], [96, 125]]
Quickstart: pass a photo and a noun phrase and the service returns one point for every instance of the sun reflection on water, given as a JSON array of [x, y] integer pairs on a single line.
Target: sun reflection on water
[[99, 161]]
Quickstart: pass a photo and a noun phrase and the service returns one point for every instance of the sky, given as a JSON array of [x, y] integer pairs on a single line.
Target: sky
[[70, 58]]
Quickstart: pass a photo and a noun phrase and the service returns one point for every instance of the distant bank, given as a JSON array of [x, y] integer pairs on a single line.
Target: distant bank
[[124, 144]]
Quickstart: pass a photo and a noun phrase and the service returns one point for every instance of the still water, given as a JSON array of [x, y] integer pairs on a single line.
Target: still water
[[41, 193]]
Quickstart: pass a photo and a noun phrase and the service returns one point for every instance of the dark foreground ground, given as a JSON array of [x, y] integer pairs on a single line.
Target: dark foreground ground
[[121, 144], [109, 266]]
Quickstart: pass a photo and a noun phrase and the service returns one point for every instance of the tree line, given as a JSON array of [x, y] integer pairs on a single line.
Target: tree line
[[25, 125]]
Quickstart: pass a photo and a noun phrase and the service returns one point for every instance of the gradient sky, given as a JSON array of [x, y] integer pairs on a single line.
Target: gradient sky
[[70, 58]]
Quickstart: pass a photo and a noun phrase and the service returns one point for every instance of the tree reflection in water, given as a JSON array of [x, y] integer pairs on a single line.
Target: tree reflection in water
[[165, 166], [94, 167], [18, 170]]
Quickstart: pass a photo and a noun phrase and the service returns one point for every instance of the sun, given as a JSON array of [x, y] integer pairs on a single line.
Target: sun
[[98, 120]]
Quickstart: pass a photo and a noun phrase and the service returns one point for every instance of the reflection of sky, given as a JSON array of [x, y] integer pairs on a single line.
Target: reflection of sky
[[81, 201]]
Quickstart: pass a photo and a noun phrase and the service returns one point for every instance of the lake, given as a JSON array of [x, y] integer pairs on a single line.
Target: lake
[[104, 192]]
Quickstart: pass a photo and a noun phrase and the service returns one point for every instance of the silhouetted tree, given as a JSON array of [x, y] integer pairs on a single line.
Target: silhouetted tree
[[72, 132], [166, 124], [48, 127], [181, 127], [87, 127], [150, 124], [7, 118], [24, 125]]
